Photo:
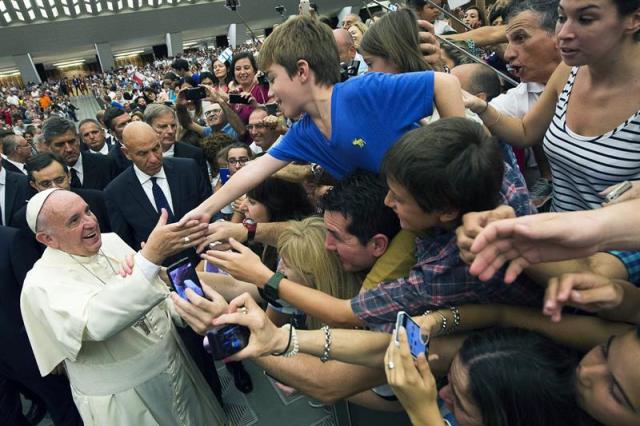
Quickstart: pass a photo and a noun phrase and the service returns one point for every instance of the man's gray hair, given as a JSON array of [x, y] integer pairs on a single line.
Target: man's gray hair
[[547, 11], [10, 144], [153, 111], [90, 120], [56, 126]]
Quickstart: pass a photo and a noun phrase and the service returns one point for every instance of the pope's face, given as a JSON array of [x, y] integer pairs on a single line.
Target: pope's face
[[66, 223]]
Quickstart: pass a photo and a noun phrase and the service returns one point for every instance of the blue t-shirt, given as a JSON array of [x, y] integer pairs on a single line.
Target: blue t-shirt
[[368, 115], [227, 128]]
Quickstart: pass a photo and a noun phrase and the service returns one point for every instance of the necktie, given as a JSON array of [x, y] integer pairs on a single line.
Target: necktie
[[160, 199], [75, 180]]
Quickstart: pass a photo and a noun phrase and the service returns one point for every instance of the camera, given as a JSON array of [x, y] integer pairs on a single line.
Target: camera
[[223, 341], [280, 9], [349, 69], [195, 93]]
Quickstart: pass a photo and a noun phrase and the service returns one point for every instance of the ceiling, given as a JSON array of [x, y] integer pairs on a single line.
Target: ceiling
[[72, 37]]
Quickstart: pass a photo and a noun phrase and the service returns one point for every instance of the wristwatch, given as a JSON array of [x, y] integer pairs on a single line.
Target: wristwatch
[[270, 289], [251, 226]]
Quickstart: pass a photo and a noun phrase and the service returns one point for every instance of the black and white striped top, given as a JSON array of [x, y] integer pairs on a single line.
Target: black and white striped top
[[583, 166]]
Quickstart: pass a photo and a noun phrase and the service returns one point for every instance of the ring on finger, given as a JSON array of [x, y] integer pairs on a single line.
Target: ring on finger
[[186, 240], [391, 365]]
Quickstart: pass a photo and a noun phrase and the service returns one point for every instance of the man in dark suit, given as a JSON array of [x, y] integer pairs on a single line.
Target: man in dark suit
[[47, 170], [163, 120], [14, 192], [93, 137], [135, 198], [115, 120], [18, 369], [89, 171], [18, 151]]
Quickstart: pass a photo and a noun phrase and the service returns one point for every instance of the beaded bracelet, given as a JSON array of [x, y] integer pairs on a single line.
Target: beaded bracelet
[[326, 353]]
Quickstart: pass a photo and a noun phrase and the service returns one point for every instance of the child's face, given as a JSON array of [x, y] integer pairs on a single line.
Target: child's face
[[286, 90], [411, 215]]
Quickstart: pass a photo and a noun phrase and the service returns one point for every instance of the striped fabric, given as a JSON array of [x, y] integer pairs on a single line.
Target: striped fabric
[[584, 166]]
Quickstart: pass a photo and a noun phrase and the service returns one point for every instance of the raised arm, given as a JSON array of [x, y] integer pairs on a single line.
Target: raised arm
[[529, 130], [483, 36], [245, 265], [240, 183]]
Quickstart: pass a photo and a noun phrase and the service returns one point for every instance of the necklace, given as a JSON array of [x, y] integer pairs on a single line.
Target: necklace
[[141, 323]]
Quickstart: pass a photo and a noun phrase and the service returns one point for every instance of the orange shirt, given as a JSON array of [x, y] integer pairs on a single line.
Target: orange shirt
[[45, 101]]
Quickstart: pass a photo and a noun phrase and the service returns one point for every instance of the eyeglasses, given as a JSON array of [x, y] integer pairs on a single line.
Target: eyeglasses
[[58, 181], [242, 160], [255, 126]]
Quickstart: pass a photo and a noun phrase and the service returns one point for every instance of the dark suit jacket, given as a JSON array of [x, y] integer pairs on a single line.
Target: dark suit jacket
[[17, 256], [98, 170], [132, 214], [16, 193], [115, 152], [10, 167], [93, 197], [85, 148], [185, 150]]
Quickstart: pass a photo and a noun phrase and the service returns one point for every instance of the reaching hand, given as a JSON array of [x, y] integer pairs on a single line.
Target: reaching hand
[[243, 264], [413, 384], [168, 239], [199, 214], [473, 223], [265, 337], [199, 312], [472, 102], [532, 239], [586, 291], [630, 194], [221, 231]]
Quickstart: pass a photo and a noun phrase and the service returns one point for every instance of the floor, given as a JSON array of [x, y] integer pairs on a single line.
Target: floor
[[268, 406]]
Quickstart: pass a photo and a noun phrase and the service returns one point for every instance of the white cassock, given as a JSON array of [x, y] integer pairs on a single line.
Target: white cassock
[[122, 371]]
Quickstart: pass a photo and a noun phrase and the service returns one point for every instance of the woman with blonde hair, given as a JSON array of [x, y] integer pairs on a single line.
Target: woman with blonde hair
[[304, 260], [357, 30]]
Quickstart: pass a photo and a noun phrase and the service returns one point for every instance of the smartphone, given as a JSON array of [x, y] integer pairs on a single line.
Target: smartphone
[[182, 275], [618, 191], [272, 109], [225, 340], [195, 93], [224, 174], [235, 98], [417, 344]]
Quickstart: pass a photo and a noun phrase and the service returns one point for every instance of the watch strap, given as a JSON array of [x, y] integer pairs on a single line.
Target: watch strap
[[270, 289]]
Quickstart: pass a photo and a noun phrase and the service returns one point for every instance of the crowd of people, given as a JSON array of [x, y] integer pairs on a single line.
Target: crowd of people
[[329, 182]]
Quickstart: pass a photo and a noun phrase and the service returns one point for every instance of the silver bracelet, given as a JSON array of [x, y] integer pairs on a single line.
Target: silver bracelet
[[455, 312], [443, 325], [326, 353]]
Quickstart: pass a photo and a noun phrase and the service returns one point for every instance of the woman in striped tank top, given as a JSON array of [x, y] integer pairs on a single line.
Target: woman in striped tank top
[[588, 116]]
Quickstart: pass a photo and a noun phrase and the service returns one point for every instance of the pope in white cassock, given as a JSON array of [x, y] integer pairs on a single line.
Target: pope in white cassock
[[115, 335]]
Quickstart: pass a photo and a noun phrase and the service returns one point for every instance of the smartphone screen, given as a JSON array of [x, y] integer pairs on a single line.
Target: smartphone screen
[[417, 345], [224, 175], [235, 98], [183, 276]]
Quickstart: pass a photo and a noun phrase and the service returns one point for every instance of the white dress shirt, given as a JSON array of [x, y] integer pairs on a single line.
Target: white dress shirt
[[104, 150], [170, 153], [147, 185], [20, 166]]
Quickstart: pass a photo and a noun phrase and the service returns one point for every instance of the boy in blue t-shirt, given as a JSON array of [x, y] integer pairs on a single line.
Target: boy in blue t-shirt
[[345, 125]]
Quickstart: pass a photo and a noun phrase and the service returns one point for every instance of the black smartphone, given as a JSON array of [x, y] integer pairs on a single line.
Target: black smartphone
[[272, 109], [195, 93], [235, 98], [182, 275], [226, 340], [417, 344]]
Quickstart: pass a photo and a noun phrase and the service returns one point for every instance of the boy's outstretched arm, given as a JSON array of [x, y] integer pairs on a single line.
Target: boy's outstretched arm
[[240, 183]]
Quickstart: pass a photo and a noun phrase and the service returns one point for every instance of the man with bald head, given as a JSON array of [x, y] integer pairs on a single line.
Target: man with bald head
[[347, 49], [113, 335], [135, 197]]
